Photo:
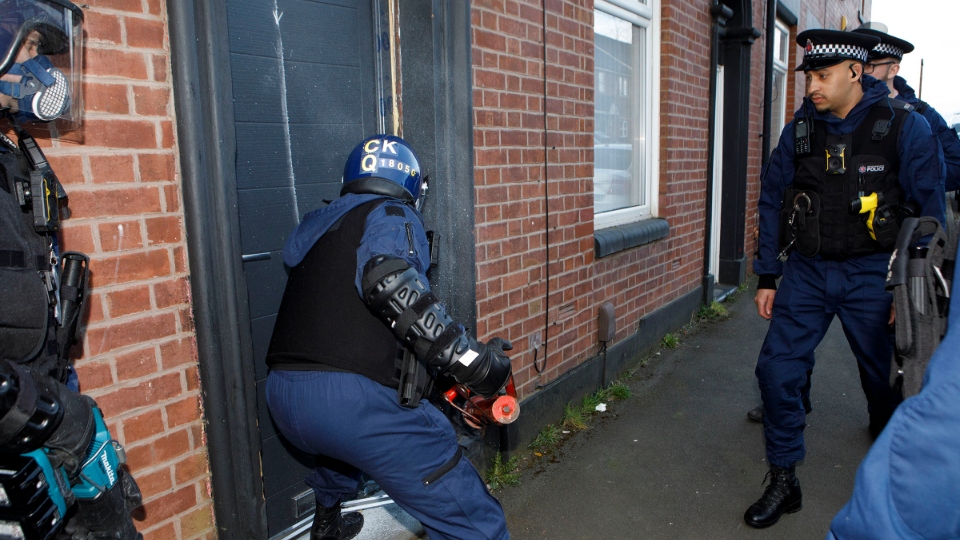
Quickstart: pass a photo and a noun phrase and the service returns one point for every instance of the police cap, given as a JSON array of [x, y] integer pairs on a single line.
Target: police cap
[[889, 46], [825, 48]]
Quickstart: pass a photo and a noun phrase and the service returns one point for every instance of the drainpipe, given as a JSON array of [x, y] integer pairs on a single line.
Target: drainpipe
[[768, 80], [720, 14]]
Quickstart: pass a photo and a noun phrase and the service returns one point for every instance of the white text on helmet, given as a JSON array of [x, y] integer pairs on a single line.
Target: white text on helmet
[[373, 145], [369, 163], [395, 164]]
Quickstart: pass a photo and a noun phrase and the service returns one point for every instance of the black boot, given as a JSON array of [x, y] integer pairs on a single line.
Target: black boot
[[781, 496], [328, 524], [756, 414]]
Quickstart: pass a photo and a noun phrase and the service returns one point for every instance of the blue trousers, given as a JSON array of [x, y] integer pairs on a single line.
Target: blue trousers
[[353, 423], [811, 292]]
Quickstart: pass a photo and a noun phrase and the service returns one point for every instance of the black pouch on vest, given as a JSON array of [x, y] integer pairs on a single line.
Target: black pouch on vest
[[800, 222], [23, 319], [885, 226], [24, 302]]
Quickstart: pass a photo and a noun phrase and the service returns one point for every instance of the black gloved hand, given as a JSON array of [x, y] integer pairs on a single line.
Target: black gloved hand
[[493, 367], [500, 344]]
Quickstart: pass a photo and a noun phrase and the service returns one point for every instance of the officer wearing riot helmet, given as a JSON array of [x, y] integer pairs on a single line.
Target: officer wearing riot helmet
[[356, 298], [61, 474], [883, 63], [849, 166]]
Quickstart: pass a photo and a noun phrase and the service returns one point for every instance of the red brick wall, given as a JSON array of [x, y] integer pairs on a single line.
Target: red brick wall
[[511, 213], [512, 196], [684, 117], [139, 358]]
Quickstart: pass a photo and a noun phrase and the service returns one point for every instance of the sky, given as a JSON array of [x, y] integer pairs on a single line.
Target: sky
[[933, 26]]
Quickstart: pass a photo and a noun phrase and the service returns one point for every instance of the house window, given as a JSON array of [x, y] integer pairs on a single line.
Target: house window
[[624, 183], [778, 103]]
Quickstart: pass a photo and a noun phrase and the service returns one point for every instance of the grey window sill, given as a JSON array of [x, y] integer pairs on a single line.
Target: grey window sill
[[623, 237]]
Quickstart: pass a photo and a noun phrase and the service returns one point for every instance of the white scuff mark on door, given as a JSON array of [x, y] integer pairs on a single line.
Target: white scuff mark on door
[[277, 15]]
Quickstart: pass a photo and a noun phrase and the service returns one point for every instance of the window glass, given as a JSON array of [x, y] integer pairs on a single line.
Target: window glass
[[622, 134]]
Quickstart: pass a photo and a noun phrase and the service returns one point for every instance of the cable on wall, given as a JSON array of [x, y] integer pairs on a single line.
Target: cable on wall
[[546, 208]]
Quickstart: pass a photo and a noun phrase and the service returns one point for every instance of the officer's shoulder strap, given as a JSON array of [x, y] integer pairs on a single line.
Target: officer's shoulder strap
[[358, 213], [882, 126], [896, 104]]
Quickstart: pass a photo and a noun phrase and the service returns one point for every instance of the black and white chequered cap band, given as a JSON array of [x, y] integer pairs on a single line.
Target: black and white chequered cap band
[[887, 49], [816, 52]]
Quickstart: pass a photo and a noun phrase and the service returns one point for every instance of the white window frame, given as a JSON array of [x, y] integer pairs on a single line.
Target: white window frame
[[777, 121], [646, 14]]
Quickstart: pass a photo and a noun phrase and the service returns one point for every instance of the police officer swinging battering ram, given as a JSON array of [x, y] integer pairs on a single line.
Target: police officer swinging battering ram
[[343, 385], [60, 474], [849, 167]]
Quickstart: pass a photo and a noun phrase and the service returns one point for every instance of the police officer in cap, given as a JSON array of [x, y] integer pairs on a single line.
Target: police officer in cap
[[883, 63], [846, 169], [357, 297]]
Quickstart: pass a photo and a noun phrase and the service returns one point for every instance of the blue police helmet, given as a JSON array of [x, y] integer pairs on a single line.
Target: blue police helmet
[[383, 165]]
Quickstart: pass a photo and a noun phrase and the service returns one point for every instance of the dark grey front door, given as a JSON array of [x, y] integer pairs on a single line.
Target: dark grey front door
[[304, 89]]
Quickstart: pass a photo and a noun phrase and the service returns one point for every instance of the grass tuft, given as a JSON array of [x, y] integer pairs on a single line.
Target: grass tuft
[[715, 311], [503, 474], [670, 341], [574, 418], [618, 390], [547, 439]]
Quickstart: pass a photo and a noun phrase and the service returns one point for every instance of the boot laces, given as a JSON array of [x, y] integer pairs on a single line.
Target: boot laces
[[779, 486]]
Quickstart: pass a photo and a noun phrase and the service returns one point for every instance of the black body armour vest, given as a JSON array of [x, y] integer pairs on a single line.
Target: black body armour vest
[[872, 164], [323, 324], [28, 329]]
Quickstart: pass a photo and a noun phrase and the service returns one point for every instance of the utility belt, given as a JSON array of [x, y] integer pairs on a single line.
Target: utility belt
[[800, 221]]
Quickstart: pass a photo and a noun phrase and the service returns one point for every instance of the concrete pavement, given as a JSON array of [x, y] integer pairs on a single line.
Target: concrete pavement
[[679, 459]]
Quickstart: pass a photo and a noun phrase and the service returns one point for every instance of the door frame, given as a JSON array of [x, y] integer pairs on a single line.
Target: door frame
[[203, 95], [736, 43], [717, 195]]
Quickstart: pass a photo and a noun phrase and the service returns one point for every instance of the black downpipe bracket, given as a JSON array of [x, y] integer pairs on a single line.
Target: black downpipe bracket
[[720, 14], [204, 107], [768, 80]]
